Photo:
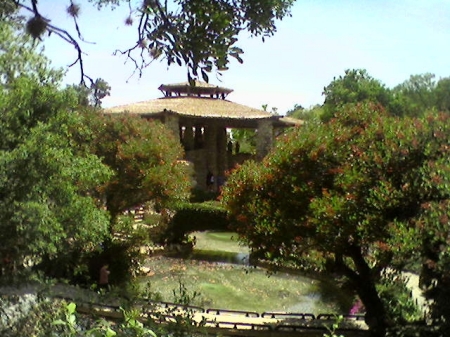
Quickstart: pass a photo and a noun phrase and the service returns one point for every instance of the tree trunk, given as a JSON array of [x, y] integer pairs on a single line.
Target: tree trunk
[[364, 282], [375, 312]]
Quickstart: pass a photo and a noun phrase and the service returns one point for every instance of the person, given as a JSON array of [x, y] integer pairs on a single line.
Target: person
[[103, 280], [237, 147], [357, 308], [230, 146]]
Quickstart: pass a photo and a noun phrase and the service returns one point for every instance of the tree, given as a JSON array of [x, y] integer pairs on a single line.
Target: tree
[[356, 86], [144, 156], [359, 196], [300, 112], [28, 57], [50, 205], [93, 95], [99, 90], [442, 94], [298, 108], [273, 110], [200, 34], [417, 94], [246, 139]]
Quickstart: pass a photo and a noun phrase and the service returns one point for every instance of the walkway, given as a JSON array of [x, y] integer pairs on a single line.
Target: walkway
[[237, 323]]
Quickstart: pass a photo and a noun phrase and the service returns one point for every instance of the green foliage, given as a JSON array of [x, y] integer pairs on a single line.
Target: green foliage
[[49, 202], [421, 93], [69, 320], [70, 326], [28, 57], [190, 217], [136, 321], [199, 195], [8, 10], [199, 34], [246, 139], [442, 94], [144, 156], [300, 112], [297, 109], [397, 298], [360, 194], [123, 259], [30, 316], [38, 103], [356, 86], [92, 95], [334, 327], [417, 94]]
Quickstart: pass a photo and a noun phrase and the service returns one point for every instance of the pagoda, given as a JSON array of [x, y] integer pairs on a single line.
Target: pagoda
[[200, 115]]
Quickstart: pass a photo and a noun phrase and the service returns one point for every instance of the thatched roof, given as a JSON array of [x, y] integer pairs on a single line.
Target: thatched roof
[[201, 109]]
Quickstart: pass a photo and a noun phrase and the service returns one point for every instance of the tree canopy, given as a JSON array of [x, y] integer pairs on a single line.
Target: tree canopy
[[92, 95], [300, 112], [61, 164], [144, 156], [19, 55], [354, 87], [199, 34], [422, 92], [360, 195], [50, 205]]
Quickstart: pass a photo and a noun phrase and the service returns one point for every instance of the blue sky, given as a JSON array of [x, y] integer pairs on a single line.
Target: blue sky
[[392, 39]]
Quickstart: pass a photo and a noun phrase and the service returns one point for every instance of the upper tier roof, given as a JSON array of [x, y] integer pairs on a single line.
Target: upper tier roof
[[197, 88]]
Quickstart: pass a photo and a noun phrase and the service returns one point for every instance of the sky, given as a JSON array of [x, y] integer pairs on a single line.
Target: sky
[[391, 39]]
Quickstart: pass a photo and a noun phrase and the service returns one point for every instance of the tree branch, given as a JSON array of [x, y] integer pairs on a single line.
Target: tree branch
[[65, 35]]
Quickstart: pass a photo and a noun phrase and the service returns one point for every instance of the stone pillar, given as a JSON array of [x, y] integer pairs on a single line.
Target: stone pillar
[[222, 158], [171, 121], [188, 139], [264, 138], [211, 149]]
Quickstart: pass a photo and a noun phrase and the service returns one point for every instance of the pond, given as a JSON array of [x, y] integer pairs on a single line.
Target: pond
[[217, 271]]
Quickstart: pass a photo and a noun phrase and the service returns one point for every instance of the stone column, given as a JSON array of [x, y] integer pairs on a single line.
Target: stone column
[[222, 158], [211, 149], [264, 138]]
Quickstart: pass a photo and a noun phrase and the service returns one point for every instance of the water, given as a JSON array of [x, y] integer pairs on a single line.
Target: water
[[225, 280]]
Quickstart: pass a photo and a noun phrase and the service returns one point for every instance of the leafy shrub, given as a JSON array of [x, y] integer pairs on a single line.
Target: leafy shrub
[[123, 259], [200, 195], [190, 217]]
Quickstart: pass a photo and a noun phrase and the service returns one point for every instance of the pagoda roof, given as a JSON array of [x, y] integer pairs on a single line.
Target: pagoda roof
[[194, 88], [199, 109]]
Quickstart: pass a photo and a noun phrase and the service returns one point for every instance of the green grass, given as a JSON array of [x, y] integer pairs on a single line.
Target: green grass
[[238, 287], [235, 287], [219, 241]]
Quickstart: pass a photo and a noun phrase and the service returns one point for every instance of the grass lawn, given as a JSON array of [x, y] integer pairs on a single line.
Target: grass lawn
[[235, 287], [238, 287], [219, 241]]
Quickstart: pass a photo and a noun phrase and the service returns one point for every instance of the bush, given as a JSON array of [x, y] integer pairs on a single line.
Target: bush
[[190, 217], [200, 195]]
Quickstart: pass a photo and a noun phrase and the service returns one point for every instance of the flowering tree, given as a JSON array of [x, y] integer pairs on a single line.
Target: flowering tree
[[144, 156], [358, 196]]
